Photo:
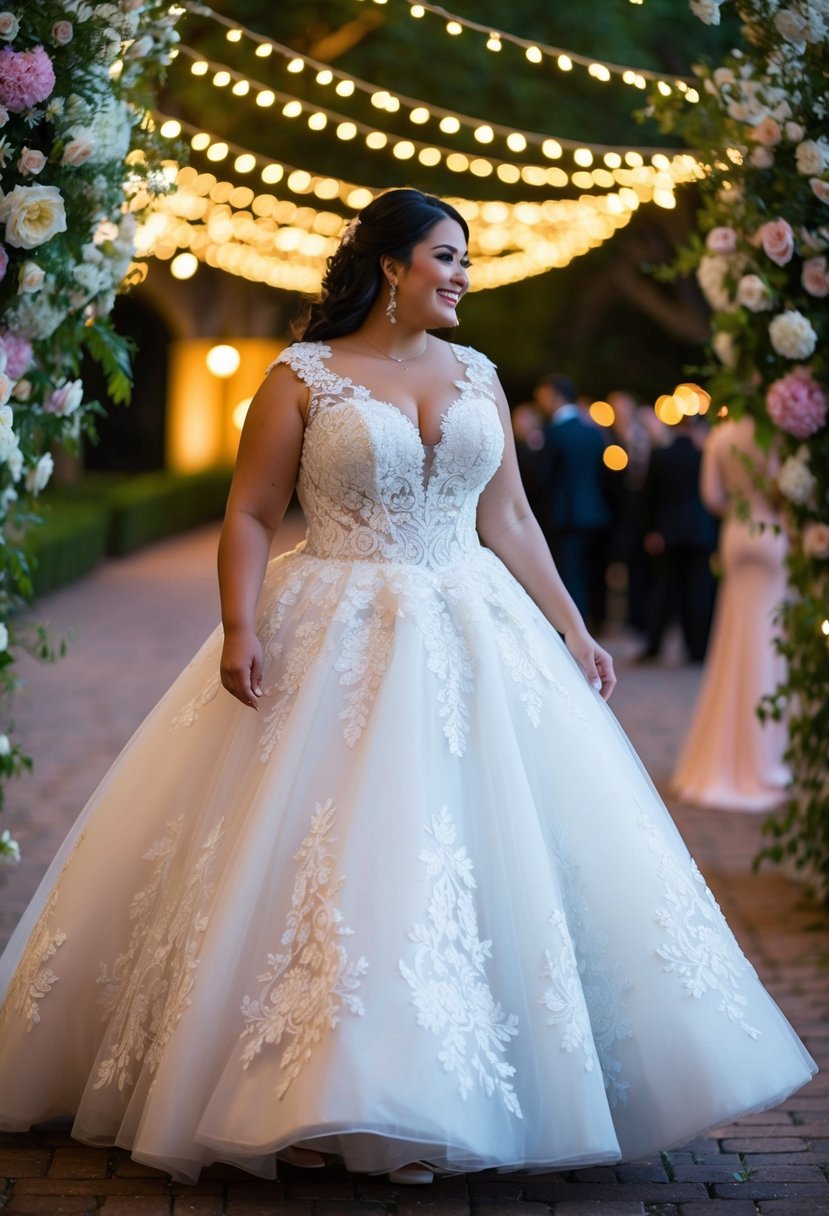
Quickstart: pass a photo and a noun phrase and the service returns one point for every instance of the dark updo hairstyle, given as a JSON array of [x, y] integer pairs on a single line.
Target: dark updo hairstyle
[[391, 224]]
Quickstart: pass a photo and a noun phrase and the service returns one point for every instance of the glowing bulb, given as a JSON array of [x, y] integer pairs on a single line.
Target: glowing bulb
[[376, 140], [404, 149], [824, 629], [346, 130], [454, 28], [200, 68], [264, 50], [217, 151], [450, 125], [272, 174], [292, 109], [484, 134], [551, 149], [420, 114], [417, 10], [299, 181], [602, 413], [583, 157], [245, 163], [241, 88], [565, 63], [634, 159], [516, 142], [221, 79], [318, 121], [493, 43], [599, 71], [615, 457], [325, 76], [184, 266], [533, 54], [344, 88], [664, 88], [170, 129], [200, 141], [223, 360], [265, 98], [612, 159], [379, 99], [234, 35], [296, 65], [429, 157]]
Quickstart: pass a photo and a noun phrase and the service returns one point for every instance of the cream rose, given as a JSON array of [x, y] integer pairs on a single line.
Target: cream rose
[[812, 156], [753, 294], [32, 215], [9, 26], [30, 160], [62, 33], [76, 152], [30, 277], [792, 336], [814, 278]]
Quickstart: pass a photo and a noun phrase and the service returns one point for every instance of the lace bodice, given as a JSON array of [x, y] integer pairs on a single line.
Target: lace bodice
[[370, 489]]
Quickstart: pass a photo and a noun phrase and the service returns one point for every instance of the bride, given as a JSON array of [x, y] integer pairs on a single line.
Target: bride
[[410, 898]]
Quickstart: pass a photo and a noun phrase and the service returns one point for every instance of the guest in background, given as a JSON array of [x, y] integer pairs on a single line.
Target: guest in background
[[680, 535], [631, 433], [565, 480], [731, 760]]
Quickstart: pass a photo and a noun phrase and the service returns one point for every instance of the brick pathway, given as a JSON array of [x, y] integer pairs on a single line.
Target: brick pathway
[[134, 623]]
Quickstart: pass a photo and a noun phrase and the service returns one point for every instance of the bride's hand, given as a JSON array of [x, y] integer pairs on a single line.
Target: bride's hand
[[594, 661], [241, 666]]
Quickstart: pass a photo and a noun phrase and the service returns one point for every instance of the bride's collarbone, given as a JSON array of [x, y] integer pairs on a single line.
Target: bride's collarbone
[[424, 398]]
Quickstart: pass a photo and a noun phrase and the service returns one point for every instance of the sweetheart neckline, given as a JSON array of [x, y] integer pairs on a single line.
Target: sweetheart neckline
[[363, 394]]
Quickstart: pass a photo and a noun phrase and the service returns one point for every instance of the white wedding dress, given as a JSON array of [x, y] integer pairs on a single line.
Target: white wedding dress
[[425, 904]]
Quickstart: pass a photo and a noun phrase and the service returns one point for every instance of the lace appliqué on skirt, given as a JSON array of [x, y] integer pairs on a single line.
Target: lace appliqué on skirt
[[563, 997], [699, 947], [448, 979], [147, 990], [305, 987]]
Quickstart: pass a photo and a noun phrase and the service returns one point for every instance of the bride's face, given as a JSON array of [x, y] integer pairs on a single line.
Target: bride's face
[[430, 287]]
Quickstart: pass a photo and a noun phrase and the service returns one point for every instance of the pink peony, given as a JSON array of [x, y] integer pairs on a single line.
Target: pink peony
[[777, 239], [814, 277], [816, 540], [26, 78], [767, 132], [18, 354], [4, 262], [721, 240], [797, 403]]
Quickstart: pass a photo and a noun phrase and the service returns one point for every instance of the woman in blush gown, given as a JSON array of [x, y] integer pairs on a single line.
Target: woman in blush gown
[[407, 895], [731, 760]]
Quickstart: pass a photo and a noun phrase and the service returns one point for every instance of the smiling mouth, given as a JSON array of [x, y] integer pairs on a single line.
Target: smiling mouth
[[451, 297]]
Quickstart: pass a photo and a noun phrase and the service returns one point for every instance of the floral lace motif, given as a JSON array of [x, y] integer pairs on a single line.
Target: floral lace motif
[[700, 948], [448, 979], [147, 991], [604, 988], [563, 996], [34, 977], [306, 986]]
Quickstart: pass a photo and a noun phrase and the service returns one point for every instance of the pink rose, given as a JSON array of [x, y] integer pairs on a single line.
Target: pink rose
[[76, 152], [777, 239], [767, 132], [62, 32], [721, 240], [761, 158], [816, 540], [814, 278], [4, 262], [797, 403], [30, 161], [820, 189], [26, 78]]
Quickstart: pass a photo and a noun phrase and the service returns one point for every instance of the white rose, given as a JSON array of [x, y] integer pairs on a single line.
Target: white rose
[[812, 157], [4, 637], [38, 475], [62, 33], [30, 161], [30, 277], [9, 26], [753, 294], [76, 152], [5, 745], [32, 215], [711, 274], [792, 336]]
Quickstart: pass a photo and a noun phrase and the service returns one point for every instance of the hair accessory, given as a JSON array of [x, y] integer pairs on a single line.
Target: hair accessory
[[350, 231], [391, 307]]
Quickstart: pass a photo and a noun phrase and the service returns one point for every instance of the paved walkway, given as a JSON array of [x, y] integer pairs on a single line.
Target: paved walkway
[[134, 623]]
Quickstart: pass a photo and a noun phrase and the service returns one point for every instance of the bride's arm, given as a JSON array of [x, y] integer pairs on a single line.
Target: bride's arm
[[507, 526], [263, 481]]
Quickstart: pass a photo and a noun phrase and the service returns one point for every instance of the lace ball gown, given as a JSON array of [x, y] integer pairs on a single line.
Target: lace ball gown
[[426, 904]]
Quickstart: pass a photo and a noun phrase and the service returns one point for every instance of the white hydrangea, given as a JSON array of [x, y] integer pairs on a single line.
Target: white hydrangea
[[35, 316], [107, 130], [792, 335], [796, 481]]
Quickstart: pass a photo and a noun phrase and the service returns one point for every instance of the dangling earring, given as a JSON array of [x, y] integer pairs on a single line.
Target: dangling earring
[[391, 307]]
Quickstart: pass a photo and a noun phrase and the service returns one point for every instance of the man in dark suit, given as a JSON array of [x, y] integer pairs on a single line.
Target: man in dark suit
[[680, 536], [565, 481]]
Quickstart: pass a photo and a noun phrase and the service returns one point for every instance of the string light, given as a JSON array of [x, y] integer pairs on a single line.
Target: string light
[[683, 166]]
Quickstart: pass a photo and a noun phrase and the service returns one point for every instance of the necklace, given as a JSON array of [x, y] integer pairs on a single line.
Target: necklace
[[394, 358]]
